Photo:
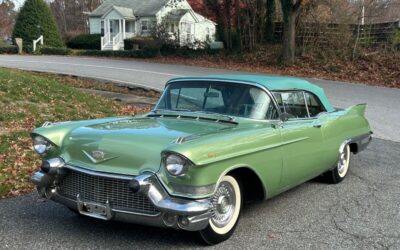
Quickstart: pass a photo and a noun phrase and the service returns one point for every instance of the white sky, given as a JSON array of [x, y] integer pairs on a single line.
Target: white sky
[[19, 3]]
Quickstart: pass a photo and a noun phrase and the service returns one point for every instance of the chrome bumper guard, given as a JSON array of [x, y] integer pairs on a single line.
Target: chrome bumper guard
[[179, 213]]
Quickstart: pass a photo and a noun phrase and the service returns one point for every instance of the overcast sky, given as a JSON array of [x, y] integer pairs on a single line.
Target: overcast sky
[[17, 3]]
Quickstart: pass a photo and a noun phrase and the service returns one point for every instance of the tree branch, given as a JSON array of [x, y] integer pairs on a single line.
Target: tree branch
[[297, 5]]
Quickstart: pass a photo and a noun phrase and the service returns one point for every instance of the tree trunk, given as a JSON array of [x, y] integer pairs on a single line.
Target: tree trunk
[[270, 26], [290, 12], [238, 31], [289, 39]]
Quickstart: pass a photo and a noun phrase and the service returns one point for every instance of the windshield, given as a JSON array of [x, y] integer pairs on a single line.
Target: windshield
[[218, 97]]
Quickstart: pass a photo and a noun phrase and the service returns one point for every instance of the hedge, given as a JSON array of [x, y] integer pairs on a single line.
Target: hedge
[[27, 49], [143, 42], [10, 49], [119, 53], [54, 51], [85, 41], [185, 52]]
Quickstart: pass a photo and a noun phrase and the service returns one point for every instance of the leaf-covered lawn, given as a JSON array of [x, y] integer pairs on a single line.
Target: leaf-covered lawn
[[27, 101]]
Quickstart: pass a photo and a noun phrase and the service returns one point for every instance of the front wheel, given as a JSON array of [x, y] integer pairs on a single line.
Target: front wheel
[[227, 202], [337, 174]]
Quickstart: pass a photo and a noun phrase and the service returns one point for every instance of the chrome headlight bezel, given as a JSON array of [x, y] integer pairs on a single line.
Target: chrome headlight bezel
[[41, 145], [175, 164]]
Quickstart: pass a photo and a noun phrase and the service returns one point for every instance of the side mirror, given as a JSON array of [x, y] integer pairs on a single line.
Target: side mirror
[[284, 117]]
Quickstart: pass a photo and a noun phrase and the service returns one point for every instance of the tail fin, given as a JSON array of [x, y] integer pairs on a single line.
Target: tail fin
[[357, 109]]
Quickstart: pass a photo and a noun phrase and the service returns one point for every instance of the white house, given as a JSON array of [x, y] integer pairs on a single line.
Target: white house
[[117, 20]]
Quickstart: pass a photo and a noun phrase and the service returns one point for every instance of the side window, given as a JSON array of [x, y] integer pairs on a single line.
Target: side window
[[262, 104], [314, 105], [292, 103]]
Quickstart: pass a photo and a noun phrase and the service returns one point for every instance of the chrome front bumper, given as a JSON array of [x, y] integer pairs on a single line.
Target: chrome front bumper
[[179, 213]]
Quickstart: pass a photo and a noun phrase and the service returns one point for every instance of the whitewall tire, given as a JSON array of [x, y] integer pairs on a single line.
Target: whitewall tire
[[227, 202], [337, 174]]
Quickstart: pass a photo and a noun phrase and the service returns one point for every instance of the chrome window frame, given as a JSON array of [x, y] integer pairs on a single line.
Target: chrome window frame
[[305, 102], [263, 88]]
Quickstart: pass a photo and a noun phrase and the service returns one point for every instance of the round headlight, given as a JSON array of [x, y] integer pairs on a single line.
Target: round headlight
[[175, 165], [41, 145]]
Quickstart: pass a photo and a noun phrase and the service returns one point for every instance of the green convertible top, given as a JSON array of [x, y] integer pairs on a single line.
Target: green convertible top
[[272, 83]]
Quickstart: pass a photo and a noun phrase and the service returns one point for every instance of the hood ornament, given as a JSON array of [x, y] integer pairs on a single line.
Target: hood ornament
[[97, 156]]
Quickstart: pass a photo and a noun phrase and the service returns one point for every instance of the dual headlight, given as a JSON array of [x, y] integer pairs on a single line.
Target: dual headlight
[[41, 145], [176, 165]]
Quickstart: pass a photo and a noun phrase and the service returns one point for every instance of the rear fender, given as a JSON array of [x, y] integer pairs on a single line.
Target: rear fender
[[357, 109]]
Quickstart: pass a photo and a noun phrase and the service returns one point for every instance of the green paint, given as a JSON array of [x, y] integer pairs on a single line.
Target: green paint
[[283, 155]]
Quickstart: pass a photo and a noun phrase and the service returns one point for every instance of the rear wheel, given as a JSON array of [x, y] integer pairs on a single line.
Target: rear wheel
[[337, 174], [227, 202]]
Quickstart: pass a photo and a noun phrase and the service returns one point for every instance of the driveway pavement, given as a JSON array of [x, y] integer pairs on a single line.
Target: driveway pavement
[[363, 212], [383, 103]]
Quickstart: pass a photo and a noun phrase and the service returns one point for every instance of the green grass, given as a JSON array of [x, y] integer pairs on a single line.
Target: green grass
[[26, 101]]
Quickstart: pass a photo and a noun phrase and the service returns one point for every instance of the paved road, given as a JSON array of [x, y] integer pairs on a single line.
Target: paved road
[[360, 213], [382, 108]]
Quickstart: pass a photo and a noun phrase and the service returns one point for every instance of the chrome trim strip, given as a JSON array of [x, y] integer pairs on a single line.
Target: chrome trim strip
[[305, 101], [100, 174]]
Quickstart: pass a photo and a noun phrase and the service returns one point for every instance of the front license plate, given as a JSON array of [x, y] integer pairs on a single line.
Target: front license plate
[[95, 210]]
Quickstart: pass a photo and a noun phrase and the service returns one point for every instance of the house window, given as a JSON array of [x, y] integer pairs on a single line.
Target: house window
[[130, 27], [102, 27], [145, 26]]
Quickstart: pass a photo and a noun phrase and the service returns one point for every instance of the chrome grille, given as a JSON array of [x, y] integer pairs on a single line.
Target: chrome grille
[[99, 189]]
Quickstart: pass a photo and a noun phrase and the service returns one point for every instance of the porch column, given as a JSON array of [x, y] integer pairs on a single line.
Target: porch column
[[123, 28], [108, 28]]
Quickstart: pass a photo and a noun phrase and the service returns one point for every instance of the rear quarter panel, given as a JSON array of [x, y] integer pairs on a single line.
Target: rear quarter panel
[[340, 126]]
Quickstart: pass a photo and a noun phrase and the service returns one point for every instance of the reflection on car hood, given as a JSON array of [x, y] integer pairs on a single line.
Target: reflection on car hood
[[131, 146]]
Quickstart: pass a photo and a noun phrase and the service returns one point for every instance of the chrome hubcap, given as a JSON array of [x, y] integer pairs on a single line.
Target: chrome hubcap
[[224, 202], [343, 161]]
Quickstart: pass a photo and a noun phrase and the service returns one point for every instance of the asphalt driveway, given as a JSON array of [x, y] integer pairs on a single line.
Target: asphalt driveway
[[363, 212]]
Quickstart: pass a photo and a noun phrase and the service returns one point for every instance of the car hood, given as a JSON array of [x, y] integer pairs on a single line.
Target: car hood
[[130, 146]]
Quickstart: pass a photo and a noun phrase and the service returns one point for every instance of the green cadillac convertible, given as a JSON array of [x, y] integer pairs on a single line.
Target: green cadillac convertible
[[210, 145]]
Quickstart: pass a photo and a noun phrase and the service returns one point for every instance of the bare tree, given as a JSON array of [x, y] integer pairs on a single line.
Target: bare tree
[[7, 18], [290, 10], [70, 15]]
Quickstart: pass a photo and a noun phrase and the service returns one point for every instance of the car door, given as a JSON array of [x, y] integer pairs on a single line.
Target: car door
[[302, 140]]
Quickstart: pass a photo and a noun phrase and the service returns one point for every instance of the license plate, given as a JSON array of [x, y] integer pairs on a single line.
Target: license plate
[[96, 210]]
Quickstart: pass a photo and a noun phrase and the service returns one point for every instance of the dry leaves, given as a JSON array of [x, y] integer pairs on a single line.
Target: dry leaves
[[26, 101]]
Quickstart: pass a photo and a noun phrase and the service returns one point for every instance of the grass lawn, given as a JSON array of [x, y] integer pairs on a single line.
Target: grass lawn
[[27, 101]]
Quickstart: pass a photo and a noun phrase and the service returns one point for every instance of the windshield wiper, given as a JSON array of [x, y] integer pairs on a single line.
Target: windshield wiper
[[230, 118]]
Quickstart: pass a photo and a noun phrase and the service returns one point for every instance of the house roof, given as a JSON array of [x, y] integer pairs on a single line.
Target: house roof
[[177, 14], [272, 83], [138, 7], [124, 12]]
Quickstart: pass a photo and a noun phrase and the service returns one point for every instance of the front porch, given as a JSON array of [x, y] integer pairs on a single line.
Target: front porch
[[117, 24], [114, 32]]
